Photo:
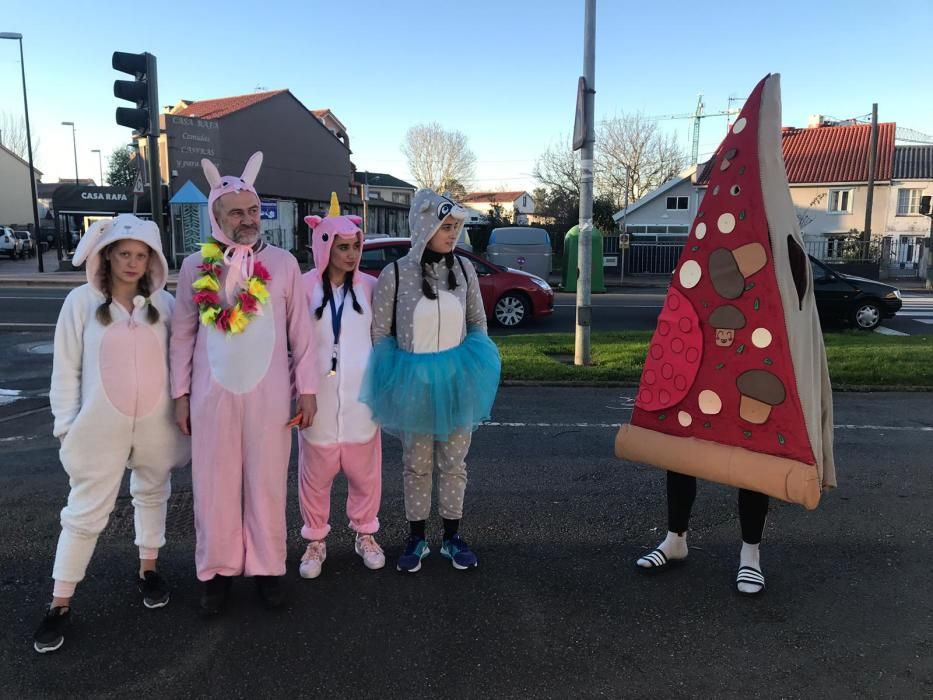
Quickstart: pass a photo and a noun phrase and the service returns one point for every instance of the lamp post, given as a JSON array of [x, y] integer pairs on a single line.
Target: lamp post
[[32, 169], [74, 143], [100, 165]]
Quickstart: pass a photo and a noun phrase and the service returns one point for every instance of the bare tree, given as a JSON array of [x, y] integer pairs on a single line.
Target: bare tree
[[558, 169], [13, 135], [632, 154], [439, 159]]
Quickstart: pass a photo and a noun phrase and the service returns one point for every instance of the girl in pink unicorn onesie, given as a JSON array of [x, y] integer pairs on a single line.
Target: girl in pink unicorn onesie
[[240, 309], [343, 436], [110, 399]]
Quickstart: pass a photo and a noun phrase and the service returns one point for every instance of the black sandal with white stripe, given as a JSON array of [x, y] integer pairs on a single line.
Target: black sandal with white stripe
[[657, 560], [750, 576]]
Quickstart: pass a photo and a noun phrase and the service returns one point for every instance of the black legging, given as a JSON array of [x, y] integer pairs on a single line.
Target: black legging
[[682, 490]]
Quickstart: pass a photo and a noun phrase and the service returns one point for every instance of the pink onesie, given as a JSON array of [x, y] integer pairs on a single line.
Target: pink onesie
[[343, 435], [240, 387]]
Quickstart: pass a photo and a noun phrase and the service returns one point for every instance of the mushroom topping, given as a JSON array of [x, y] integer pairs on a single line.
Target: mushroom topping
[[760, 391], [724, 273], [726, 320]]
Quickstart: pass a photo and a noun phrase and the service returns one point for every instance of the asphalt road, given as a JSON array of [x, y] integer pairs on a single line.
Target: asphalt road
[[556, 608], [28, 308]]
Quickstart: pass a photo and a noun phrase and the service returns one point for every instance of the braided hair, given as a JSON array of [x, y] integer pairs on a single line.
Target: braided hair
[[106, 284], [329, 294], [429, 257]]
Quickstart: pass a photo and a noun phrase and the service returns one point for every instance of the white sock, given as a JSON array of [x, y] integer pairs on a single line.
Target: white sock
[[750, 556], [674, 546]]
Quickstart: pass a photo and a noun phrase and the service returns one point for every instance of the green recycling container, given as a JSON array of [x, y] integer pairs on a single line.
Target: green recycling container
[[571, 261]]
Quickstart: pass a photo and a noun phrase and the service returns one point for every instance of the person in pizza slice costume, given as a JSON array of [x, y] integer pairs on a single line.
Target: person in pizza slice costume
[[344, 436], [735, 387]]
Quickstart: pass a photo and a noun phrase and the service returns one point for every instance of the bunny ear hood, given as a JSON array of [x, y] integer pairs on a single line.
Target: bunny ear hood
[[225, 184], [123, 227], [325, 231], [428, 211]]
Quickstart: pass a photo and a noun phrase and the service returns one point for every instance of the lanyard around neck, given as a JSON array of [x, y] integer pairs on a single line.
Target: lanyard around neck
[[336, 319]]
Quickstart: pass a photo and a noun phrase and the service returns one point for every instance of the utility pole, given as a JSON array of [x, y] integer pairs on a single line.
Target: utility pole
[[872, 157], [584, 139]]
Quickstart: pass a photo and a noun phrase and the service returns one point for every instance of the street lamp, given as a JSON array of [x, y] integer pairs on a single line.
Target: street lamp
[[74, 143], [100, 165], [32, 169]]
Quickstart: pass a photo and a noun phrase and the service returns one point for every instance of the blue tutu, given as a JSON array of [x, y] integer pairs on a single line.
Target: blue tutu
[[434, 393]]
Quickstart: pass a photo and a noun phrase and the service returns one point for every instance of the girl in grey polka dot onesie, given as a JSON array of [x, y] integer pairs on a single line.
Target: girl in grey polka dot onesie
[[433, 374]]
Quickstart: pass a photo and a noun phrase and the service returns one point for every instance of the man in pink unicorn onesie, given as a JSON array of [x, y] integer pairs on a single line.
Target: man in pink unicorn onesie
[[240, 309]]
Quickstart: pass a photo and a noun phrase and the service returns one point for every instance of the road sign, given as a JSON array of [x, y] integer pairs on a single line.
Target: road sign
[[139, 186], [269, 211]]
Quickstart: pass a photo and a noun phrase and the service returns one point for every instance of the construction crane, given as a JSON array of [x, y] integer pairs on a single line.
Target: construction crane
[[697, 115]]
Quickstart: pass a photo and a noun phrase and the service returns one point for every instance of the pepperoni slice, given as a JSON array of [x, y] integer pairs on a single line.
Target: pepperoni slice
[[674, 355]]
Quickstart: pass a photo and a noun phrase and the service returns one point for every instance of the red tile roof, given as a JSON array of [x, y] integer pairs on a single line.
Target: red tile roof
[[828, 154], [500, 197], [223, 106]]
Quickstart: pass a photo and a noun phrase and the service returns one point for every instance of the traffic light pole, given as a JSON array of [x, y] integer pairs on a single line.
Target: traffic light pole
[[155, 174]]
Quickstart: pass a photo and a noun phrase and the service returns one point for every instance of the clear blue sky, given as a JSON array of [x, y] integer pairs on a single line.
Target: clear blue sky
[[502, 72]]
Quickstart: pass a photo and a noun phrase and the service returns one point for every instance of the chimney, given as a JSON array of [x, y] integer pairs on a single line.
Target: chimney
[[815, 120]]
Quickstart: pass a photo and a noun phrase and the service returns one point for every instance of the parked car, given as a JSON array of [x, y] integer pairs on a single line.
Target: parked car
[[862, 302], [510, 297], [10, 245], [29, 245]]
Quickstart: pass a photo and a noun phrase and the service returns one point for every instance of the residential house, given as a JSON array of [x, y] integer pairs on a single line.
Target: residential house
[[16, 192], [304, 160], [827, 171], [334, 125], [515, 206], [387, 200], [906, 228]]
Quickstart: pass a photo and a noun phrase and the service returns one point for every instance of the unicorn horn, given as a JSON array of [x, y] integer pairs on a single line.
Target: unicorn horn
[[334, 205]]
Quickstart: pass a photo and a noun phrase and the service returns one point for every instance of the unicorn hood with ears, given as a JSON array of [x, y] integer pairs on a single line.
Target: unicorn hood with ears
[[325, 231], [239, 258]]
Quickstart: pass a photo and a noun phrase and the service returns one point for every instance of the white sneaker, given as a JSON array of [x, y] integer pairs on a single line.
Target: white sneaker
[[367, 547], [313, 559]]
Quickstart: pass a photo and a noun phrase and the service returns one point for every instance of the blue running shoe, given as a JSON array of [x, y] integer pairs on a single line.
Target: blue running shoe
[[416, 549], [459, 553]]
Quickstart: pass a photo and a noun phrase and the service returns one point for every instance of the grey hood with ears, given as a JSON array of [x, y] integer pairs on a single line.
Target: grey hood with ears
[[428, 210]]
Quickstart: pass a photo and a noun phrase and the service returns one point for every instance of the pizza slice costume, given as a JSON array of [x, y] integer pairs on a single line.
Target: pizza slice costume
[[735, 387]]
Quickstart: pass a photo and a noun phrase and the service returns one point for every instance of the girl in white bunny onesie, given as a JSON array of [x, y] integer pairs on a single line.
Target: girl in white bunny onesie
[[110, 399]]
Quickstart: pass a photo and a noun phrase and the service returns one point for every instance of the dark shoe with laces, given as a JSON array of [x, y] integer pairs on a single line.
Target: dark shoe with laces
[[51, 633], [154, 589], [459, 553], [214, 595], [270, 591]]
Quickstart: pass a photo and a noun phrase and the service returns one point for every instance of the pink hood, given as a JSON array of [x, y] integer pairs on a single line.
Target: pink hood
[[325, 231]]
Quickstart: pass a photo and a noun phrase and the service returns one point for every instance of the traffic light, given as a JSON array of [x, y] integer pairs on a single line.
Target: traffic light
[[143, 91], [925, 205]]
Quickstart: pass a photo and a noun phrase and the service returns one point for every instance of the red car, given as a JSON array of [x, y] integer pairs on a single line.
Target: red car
[[510, 297]]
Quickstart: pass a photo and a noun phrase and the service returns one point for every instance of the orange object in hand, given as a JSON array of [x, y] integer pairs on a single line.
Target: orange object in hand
[[295, 422]]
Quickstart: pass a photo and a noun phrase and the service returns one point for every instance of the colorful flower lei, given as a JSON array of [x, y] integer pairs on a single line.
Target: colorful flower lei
[[236, 318]]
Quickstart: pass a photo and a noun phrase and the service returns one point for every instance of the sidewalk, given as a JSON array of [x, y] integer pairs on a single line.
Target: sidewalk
[[24, 273]]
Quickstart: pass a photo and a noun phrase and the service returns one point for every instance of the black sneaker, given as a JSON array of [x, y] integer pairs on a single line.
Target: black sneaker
[[154, 590], [270, 591], [214, 595], [51, 633]]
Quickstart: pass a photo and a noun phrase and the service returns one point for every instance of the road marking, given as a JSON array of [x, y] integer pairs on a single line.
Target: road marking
[[27, 325], [884, 330], [928, 321], [844, 426], [612, 306]]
